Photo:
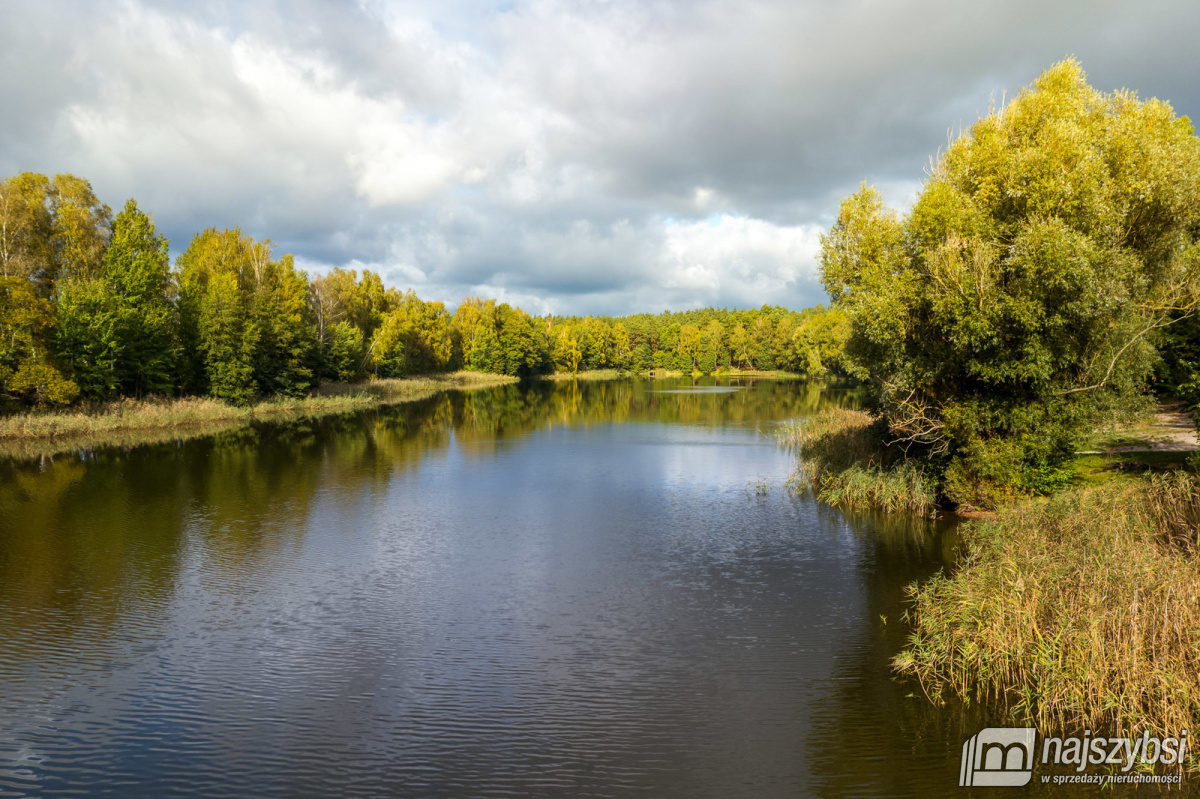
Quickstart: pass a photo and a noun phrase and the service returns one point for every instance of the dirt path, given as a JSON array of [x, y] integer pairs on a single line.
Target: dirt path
[[1171, 431]]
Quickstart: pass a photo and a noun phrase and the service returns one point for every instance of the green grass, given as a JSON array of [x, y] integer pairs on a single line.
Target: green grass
[[1098, 469], [1082, 610], [840, 454]]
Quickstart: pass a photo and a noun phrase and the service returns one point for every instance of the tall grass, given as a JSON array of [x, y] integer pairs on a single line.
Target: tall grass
[[1175, 505], [900, 488], [841, 454], [1078, 611], [589, 374], [401, 389]]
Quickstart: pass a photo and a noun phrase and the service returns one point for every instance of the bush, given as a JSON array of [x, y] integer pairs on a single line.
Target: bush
[[1017, 303]]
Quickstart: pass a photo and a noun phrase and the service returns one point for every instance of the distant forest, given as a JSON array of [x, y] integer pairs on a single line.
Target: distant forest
[[91, 308]]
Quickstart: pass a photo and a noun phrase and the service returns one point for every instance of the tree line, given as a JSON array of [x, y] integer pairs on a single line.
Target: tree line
[[91, 308], [708, 340]]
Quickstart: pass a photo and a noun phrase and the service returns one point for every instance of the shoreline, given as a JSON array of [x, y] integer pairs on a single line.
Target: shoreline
[[129, 422], [656, 374], [1036, 614]]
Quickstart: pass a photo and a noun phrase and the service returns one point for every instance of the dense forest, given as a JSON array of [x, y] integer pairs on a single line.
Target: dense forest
[[91, 308]]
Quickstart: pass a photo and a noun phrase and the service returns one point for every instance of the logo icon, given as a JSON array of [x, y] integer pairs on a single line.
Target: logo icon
[[998, 756]]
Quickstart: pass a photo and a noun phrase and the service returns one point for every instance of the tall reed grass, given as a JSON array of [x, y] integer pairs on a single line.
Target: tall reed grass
[[1078, 611], [841, 454], [403, 389], [589, 374]]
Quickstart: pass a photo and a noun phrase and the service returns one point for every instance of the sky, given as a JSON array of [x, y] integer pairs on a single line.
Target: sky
[[590, 157]]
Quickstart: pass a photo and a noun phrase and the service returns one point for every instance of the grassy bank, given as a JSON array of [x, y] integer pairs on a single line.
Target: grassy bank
[[590, 374], [1082, 610], [407, 389], [840, 453], [130, 422]]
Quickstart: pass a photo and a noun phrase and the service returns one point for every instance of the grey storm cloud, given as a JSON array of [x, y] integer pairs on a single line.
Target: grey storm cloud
[[572, 157]]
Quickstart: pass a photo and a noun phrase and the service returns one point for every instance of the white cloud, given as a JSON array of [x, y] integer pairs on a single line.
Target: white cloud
[[537, 150], [739, 257]]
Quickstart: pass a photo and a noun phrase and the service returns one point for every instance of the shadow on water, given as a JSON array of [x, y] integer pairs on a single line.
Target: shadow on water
[[870, 715]]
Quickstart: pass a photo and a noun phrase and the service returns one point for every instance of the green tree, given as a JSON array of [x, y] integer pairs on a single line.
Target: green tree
[[346, 352], [739, 347], [86, 338], [27, 370], [621, 349], [761, 334], [26, 228], [642, 357], [245, 319], [567, 354], [228, 339], [466, 326], [415, 338], [137, 275], [1020, 295], [285, 356], [81, 229]]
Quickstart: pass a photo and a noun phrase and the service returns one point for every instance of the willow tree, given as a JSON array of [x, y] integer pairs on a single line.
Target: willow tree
[[1021, 295]]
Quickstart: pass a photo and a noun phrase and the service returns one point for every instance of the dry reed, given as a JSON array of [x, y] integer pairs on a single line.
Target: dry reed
[[1078, 611]]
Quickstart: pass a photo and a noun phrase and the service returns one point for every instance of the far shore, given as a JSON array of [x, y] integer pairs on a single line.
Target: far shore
[[616, 374], [130, 422]]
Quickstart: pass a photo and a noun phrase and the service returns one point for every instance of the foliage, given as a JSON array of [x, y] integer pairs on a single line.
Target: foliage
[[81, 226], [115, 328], [708, 340], [341, 302], [414, 338], [1019, 297], [345, 353], [85, 338], [501, 339], [26, 227], [27, 371], [244, 318]]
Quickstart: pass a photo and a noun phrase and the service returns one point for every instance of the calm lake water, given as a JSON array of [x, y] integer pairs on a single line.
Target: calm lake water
[[594, 589]]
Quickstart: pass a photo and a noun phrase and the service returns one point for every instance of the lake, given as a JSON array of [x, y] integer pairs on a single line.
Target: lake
[[560, 589]]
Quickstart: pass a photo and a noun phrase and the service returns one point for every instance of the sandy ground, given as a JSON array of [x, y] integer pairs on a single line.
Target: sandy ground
[[1172, 431]]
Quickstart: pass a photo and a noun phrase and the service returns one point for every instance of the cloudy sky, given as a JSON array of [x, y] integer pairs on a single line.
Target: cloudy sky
[[599, 156]]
